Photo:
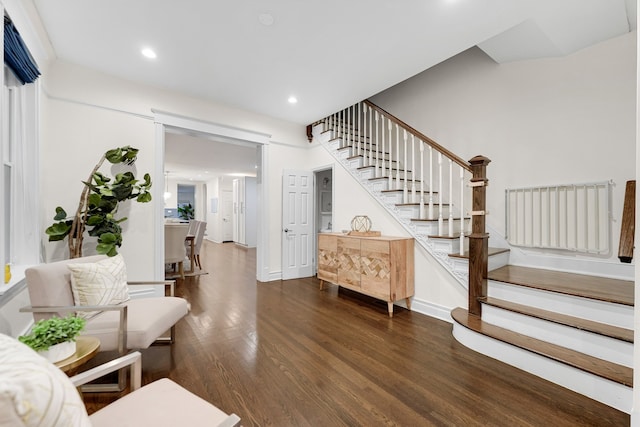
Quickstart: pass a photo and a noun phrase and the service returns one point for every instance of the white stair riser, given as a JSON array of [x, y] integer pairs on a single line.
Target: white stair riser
[[380, 184], [373, 172], [608, 392], [397, 197], [392, 198], [495, 261], [498, 260], [430, 228], [354, 162], [597, 311], [602, 347], [449, 246], [413, 212], [334, 144]]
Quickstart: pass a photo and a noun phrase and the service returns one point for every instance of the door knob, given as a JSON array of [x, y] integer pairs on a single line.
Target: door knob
[[286, 230]]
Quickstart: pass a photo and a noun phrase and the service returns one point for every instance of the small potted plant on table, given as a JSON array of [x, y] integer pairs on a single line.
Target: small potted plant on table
[[55, 338]]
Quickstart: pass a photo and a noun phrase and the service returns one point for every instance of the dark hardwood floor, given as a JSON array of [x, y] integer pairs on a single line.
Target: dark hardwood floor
[[285, 353]]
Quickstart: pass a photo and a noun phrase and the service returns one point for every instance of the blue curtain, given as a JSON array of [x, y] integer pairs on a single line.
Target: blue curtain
[[16, 55]]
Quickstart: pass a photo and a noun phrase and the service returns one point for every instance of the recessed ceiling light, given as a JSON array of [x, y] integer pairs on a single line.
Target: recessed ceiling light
[[293, 100], [148, 53], [266, 19]]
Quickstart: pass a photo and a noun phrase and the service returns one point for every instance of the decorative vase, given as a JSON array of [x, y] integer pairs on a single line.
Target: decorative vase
[[361, 224], [58, 352]]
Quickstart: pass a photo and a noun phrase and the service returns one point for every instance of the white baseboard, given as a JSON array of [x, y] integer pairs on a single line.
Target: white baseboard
[[433, 310], [275, 275]]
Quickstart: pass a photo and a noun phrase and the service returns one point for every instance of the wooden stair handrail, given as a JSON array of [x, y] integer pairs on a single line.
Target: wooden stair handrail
[[628, 225], [420, 135]]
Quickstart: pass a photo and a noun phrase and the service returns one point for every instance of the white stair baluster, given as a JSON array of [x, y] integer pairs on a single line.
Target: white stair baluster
[[430, 182], [339, 129], [349, 131], [397, 186], [358, 115], [421, 179], [440, 220], [334, 122], [383, 172], [450, 198], [405, 188], [376, 172], [354, 124], [461, 210], [332, 125], [370, 137], [390, 186], [343, 128], [364, 128], [413, 169]]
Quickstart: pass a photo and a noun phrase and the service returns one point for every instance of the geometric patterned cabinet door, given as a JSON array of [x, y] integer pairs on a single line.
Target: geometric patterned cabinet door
[[381, 267]]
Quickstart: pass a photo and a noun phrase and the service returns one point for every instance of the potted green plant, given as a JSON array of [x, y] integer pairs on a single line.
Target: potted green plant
[[54, 338], [99, 204], [185, 211]]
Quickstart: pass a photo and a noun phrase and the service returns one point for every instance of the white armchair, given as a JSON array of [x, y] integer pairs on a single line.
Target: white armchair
[[160, 403], [128, 325], [33, 392]]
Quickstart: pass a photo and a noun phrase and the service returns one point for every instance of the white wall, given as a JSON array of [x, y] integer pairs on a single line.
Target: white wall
[[545, 121], [74, 137], [86, 112]]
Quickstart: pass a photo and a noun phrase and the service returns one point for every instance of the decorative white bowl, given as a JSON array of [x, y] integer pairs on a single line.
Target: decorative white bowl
[[59, 352]]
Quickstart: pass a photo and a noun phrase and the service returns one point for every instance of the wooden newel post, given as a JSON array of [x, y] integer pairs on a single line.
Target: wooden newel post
[[479, 238], [310, 132]]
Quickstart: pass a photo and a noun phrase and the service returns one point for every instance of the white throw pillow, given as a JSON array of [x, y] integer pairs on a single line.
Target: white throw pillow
[[99, 283], [35, 391]]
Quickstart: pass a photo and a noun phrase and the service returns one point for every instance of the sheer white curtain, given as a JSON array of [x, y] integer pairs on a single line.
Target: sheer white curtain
[[25, 230]]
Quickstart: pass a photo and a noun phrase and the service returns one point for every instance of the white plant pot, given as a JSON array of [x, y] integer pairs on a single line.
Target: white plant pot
[[59, 352]]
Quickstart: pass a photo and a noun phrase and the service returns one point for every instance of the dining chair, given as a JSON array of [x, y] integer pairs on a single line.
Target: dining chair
[[199, 237], [174, 249]]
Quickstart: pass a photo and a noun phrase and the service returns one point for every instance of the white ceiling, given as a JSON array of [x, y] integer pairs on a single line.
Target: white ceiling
[[329, 53], [198, 158]]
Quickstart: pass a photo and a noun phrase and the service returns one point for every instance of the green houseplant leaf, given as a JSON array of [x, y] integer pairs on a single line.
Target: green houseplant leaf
[[56, 330], [96, 213]]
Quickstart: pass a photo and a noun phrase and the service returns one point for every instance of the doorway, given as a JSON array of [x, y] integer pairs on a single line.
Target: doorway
[[174, 124], [324, 200], [323, 205], [227, 216]]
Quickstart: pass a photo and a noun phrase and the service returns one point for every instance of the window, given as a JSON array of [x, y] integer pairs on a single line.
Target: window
[[19, 225], [186, 201]]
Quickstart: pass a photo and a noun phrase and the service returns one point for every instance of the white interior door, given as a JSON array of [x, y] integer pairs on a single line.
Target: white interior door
[[236, 212], [227, 216], [297, 224]]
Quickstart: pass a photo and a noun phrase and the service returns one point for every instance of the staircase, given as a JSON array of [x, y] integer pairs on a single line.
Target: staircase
[[574, 330]]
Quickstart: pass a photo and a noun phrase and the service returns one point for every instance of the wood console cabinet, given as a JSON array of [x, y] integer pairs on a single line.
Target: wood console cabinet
[[381, 267]]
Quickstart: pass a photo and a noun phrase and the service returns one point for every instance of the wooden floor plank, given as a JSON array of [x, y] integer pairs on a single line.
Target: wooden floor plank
[[285, 353], [599, 288]]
